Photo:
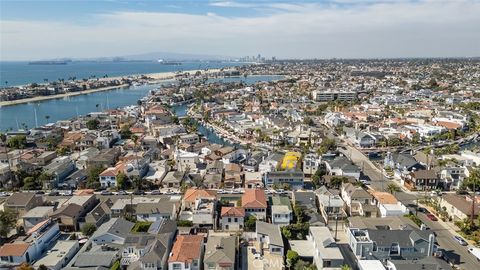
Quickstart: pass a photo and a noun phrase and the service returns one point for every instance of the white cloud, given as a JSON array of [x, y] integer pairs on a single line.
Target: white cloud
[[231, 4], [404, 29]]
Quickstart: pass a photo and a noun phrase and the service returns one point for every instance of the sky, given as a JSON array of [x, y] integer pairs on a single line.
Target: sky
[[33, 30]]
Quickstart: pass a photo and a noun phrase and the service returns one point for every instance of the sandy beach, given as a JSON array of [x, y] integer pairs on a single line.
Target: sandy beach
[[158, 78]]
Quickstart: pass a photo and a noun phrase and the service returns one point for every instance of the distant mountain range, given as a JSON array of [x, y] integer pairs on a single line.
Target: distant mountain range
[[153, 56]]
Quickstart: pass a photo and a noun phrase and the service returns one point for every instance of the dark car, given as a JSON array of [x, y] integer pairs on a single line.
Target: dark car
[[422, 210], [106, 193], [122, 192], [53, 193], [138, 192], [39, 192], [432, 217]]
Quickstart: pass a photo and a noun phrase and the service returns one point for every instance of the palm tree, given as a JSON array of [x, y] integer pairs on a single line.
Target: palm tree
[[346, 267], [393, 188], [47, 117], [6, 83]]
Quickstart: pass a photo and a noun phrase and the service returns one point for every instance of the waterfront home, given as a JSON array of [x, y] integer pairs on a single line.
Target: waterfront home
[[232, 218], [254, 202], [22, 202], [29, 248], [220, 252], [281, 209], [326, 252], [187, 253], [36, 215]]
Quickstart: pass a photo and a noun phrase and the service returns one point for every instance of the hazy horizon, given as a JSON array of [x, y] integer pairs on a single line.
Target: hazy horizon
[[344, 29]]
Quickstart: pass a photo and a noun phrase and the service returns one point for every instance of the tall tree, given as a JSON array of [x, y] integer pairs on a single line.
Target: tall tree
[[8, 220]]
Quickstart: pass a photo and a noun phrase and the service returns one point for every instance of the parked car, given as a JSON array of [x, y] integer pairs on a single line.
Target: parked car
[[422, 210], [4, 194], [156, 192], [122, 192], [475, 252], [432, 217], [39, 192], [138, 192], [460, 240], [106, 193], [53, 193]]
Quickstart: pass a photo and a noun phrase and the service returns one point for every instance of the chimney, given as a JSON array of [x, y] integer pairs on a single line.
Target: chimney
[[431, 244]]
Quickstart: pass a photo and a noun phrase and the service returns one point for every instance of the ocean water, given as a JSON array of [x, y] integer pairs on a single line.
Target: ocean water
[[21, 73], [23, 115]]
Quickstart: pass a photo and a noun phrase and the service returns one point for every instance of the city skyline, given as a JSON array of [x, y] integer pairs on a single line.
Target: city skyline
[[309, 29]]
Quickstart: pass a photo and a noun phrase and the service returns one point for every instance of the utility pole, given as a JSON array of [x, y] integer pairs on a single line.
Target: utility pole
[[472, 214], [336, 226]]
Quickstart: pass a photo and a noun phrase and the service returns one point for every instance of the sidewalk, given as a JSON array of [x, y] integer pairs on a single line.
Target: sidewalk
[[452, 228]]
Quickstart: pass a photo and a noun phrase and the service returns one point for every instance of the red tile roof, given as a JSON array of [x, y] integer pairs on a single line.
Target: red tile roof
[[14, 249], [254, 198], [186, 248], [192, 194], [232, 212]]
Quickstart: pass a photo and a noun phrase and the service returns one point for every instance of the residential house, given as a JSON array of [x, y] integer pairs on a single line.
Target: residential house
[[281, 209], [187, 253], [326, 252], [220, 252], [164, 209], [357, 200], [100, 214], [254, 202], [35, 216], [59, 255], [233, 176], [388, 205], [173, 179], [68, 216], [59, 169], [253, 161], [330, 203], [343, 167], [22, 202], [401, 163], [306, 200], [232, 218], [292, 178], [459, 207], [421, 180], [311, 163], [271, 238], [270, 163], [149, 250], [113, 231], [384, 243], [29, 248], [108, 178]]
